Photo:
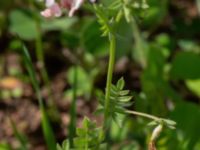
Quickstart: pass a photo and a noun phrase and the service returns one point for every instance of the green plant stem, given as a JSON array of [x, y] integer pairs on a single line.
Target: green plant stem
[[72, 125], [45, 77], [143, 115], [109, 77], [41, 62], [41, 58]]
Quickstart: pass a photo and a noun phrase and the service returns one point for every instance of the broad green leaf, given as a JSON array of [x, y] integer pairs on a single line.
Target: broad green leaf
[[124, 37], [22, 24], [58, 23], [194, 86], [153, 81], [187, 116], [84, 81], [185, 65], [155, 13], [92, 41]]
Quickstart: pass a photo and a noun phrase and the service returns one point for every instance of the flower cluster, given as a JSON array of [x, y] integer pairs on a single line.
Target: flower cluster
[[54, 9]]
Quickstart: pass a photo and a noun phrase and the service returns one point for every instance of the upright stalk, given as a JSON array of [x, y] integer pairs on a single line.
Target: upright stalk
[[109, 77], [72, 125], [41, 62], [52, 108], [47, 129]]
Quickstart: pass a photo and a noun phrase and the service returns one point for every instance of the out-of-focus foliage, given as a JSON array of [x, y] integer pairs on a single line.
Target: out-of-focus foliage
[[163, 50]]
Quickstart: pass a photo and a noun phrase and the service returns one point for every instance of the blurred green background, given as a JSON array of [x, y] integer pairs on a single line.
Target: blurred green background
[[159, 57]]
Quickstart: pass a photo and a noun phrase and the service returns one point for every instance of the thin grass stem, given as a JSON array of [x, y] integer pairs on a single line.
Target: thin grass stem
[[72, 125]]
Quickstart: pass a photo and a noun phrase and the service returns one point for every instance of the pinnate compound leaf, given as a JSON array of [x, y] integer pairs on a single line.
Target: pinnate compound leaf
[[120, 83], [64, 146], [103, 20], [119, 99]]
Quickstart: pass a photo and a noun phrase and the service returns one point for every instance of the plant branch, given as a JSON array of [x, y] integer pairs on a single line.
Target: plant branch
[[72, 125], [143, 115]]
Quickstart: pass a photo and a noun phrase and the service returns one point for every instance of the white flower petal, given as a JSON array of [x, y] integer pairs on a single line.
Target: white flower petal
[[49, 3], [75, 6], [46, 13]]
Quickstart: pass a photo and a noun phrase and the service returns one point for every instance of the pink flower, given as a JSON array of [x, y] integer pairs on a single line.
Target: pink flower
[[49, 3], [54, 9], [66, 3]]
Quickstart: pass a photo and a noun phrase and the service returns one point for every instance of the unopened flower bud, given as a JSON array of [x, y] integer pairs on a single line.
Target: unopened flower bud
[[156, 132]]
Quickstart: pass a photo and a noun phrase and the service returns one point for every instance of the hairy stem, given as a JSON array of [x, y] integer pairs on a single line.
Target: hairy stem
[[109, 78]]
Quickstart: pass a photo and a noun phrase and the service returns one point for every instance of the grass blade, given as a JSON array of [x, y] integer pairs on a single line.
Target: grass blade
[[20, 137], [72, 126], [47, 130]]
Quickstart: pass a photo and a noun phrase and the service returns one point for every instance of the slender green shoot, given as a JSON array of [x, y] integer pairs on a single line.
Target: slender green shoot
[[19, 136], [47, 129], [41, 62], [109, 78], [43, 71], [72, 125]]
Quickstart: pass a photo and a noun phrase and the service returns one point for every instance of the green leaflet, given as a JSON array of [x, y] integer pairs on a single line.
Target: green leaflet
[[119, 99], [103, 20], [65, 145], [89, 137]]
